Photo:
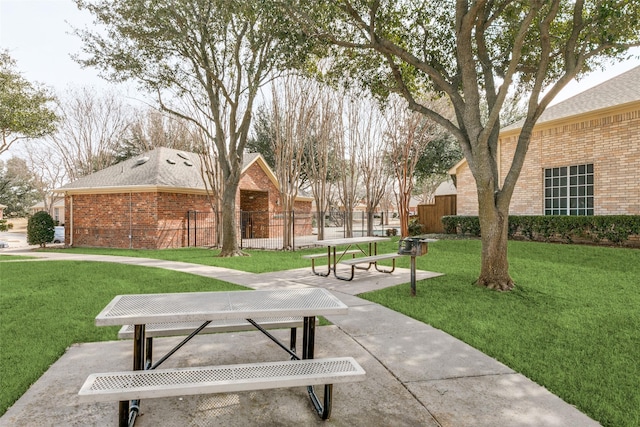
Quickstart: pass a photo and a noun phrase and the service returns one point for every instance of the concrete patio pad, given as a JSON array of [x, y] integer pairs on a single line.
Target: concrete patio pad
[[52, 400]]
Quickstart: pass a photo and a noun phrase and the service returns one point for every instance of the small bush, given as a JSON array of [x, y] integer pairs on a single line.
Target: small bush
[[465, 225], [415, 228], [5, 226], [391, 232], [40, 229]]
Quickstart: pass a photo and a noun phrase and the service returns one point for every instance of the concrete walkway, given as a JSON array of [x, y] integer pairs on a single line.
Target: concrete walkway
[[416, 375]]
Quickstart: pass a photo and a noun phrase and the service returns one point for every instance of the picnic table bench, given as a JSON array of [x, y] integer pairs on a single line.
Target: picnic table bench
[[372, 260], [170, 329], [365, 245], [146, 381], [313, 257], [142, 384]]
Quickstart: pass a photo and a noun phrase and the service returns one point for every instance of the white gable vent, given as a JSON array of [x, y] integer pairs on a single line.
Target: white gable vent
[[142, 160]]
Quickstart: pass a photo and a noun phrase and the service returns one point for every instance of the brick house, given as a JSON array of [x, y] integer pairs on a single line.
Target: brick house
[[152, 201], [56, 210], [583, 158]]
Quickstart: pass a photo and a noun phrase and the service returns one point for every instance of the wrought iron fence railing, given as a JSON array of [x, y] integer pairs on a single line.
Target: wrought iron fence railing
[[255, 230]]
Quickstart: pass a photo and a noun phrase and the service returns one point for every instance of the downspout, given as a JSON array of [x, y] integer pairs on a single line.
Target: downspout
[[71, 220], [130, 220]]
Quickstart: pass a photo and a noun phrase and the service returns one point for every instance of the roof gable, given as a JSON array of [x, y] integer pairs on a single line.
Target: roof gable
[[617, 91], [251, 158]]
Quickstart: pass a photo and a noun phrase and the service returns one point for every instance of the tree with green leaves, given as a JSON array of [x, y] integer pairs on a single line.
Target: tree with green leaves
[[263, 135], [475, 53], [5, 225], [204, 60], [24, 106], [433, 166], [40, 229], [18, 190]]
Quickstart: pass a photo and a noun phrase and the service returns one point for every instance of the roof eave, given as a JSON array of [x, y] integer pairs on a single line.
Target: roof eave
[[574, 117], [130, 189]]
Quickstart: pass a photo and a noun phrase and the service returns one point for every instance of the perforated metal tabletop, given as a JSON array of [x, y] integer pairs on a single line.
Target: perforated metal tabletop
[[193, 306]]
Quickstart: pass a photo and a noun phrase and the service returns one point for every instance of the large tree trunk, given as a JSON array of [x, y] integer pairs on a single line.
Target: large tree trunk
[[494, 227], [229, 223], [348, 222], [370, 220]]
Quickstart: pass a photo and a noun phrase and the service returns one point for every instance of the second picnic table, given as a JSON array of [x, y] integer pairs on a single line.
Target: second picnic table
[[338, 249]]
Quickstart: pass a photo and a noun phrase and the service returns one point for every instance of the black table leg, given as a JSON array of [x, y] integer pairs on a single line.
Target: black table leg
[[123, 413], [308, 337], [127, 413], [308, 343], [313, 265], [323, 409]]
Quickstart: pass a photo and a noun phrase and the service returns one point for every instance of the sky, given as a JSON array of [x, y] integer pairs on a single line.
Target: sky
[[37, 34]]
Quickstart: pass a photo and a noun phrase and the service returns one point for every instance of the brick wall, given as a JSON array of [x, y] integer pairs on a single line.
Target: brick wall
[[610, 141], [158, 220], [148, 220], [303, 218], [256, 179], [258, 193], [467, 196]]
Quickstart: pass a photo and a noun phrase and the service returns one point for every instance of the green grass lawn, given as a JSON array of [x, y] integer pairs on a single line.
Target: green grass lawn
[[45, 306], [572, 324]]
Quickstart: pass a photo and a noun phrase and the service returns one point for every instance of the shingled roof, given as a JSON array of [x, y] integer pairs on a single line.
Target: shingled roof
[[162, 168], [614, 92], [159, 169]]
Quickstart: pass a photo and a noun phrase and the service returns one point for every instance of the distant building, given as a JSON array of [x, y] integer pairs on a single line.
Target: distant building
[[159, 200], [56, 211]]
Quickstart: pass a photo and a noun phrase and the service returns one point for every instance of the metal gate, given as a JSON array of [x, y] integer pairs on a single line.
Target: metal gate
[[201, 229]]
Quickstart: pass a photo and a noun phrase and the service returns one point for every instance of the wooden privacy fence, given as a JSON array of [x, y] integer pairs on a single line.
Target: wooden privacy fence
[[430, 215]]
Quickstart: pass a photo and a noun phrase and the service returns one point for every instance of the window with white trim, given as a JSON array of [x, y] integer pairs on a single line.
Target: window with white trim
[[568, 190]]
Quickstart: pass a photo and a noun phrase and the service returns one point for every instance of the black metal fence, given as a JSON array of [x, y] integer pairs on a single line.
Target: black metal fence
[[255, 230], [265, 229], [202, 229]]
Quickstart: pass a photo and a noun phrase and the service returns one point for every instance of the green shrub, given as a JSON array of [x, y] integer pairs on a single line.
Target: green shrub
[[5, 226], [465, 225], [40, 229], [415, 228], [612, 228], [391, 232]]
